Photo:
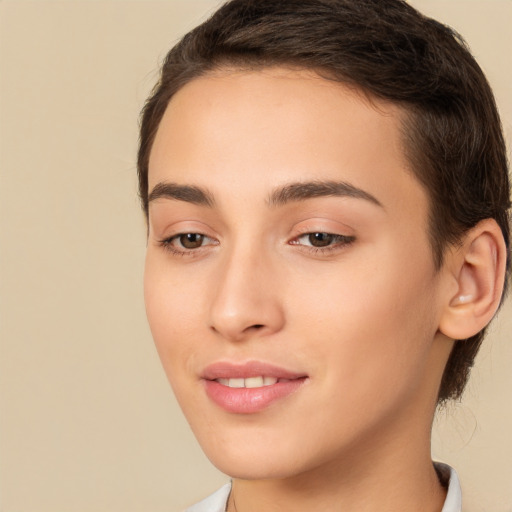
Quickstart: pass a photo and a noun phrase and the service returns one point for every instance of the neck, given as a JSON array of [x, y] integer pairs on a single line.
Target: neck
[[393, 474]]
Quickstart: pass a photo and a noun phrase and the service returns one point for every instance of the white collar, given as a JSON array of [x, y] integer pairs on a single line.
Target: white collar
[[453, 501], [217, 502]]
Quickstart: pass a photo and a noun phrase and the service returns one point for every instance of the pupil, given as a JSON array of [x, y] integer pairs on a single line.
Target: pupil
[[320, 239], [191, 240]]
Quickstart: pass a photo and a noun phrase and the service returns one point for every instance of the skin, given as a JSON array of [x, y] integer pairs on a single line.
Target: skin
[[361, 318]]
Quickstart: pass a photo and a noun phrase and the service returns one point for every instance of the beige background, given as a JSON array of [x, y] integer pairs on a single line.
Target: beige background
[[87, 421]]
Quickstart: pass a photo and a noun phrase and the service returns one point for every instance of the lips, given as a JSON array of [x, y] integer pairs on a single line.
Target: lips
[[250, 387]]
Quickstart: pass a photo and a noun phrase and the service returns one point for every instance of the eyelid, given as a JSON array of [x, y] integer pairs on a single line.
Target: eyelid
[[172, 221], [168, 237], [342, 235], [322, 225]]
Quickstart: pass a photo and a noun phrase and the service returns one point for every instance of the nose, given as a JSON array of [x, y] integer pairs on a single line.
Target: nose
[[246, 301]]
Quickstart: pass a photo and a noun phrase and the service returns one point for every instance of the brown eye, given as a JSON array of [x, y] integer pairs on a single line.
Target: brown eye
[[188, 244], [320, 239], [191, 240]]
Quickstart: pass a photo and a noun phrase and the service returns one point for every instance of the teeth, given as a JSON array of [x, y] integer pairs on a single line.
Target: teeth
[[254, 382], [236, 383], [250, 382]]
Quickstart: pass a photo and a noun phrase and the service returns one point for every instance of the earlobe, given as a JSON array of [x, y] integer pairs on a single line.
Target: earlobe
[[478, 267]]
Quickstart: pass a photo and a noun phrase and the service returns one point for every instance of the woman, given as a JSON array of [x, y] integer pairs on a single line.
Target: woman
[[326, 189]]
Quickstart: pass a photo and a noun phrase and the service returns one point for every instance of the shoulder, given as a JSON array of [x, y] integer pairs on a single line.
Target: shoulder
[[216, 502]]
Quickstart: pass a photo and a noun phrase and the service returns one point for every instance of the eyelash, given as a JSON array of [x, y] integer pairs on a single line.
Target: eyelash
[[340, 241], [167, 244]]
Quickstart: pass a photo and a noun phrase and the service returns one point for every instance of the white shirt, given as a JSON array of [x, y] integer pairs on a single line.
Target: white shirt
[[217, 502]]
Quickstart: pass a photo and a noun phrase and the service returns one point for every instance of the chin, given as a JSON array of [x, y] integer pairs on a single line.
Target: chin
[[248, 459], [266, 468]]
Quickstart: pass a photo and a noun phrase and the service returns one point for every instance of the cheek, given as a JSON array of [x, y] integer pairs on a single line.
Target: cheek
[[372, 324], [171, 309]]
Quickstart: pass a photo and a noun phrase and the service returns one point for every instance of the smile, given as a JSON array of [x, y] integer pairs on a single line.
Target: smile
[[250, 387]]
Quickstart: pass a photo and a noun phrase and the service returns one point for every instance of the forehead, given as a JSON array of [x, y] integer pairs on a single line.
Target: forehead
[[250, 131]]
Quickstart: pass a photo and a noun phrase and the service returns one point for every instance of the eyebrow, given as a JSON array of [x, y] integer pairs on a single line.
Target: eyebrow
[[187, 193], [291, 192], [301, 191]]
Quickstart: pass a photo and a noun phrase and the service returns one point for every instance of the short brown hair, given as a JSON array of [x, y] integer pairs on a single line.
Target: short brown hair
[[452, 132]]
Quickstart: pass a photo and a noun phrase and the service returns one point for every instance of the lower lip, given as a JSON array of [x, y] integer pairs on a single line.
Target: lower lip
[[250, 400]]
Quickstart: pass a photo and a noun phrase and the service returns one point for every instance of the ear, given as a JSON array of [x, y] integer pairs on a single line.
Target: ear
[[478, 271]]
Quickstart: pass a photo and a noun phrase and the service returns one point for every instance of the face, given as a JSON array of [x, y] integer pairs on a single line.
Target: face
[[289, 282]]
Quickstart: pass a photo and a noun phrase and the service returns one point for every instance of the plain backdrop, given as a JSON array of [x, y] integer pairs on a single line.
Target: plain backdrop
[[87, 421]]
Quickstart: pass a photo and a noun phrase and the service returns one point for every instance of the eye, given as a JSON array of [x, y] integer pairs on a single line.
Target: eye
[[319, 239], [322, 241], [186, 243]]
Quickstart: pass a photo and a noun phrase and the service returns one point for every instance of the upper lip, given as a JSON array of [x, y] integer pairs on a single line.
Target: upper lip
[[230, 370]]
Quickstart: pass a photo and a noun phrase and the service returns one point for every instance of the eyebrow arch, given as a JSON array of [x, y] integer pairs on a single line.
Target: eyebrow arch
[[301, 191], [187, 193]]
